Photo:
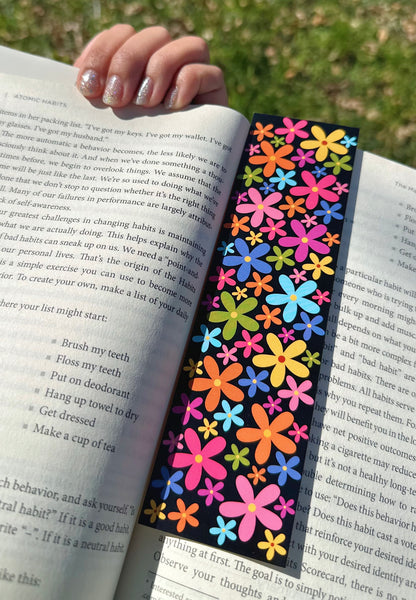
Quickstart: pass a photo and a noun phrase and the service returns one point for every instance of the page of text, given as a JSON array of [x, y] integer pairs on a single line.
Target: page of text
[[107, 225], [356, 534]]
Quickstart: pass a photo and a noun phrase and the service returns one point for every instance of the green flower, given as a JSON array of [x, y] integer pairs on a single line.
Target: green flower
[[237, 457], [251, 176], [234, 314], [278, 141], [281, 258], [311, 359], [338, 163]]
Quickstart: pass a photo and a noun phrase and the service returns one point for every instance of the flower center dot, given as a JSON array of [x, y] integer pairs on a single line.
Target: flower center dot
[[293, 297], [284, 468], [198, 458], [315, 189], [234, 314], [247, 258], [267, 433], [281, 359], [324, 143], [217, 382], [251, 507], [304, 240], [260, 206]]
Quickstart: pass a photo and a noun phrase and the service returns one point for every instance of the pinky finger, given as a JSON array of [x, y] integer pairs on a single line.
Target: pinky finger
[[197, 84]]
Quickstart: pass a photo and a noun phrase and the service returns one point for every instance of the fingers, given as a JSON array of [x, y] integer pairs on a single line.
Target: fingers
[[148, 68]]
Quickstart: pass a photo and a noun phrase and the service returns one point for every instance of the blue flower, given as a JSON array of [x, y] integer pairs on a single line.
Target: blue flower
[[254, 381], [309, 326], [224, 530], [248, 260], [168, 483], [226, 248], [229, 415], [329, 212], [319, 171], [285, 469], [294, 298], [349, 141], [207, 338], [283, 179], [267, 188]]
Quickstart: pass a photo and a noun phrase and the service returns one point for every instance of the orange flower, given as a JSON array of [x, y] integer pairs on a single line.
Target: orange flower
[[263, 131], [257, 475], [237, 224], [260, 284], [217, 382], [184, 515], [273, 158], [331, 239], [293, 206], [269, 316], [268, 433]]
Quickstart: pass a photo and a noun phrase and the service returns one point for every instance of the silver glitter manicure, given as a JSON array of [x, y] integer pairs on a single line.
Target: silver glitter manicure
[[144, 92], [90, 83], [171, 97], [113, 91]]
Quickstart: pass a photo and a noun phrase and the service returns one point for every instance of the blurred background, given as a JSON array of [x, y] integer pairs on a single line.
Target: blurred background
[[350, 62]]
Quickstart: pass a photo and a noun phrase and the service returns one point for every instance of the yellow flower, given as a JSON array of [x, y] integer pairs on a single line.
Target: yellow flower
[[272, 545], [318, 265], [240, 293], [193, 367], [325, 143], [208, 428], [155, 511], [254, 238], [282, 359]]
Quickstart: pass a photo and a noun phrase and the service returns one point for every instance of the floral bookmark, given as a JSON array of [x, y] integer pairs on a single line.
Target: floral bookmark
[[229, 467]]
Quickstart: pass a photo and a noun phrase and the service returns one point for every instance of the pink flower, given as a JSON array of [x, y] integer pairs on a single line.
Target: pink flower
[[315, 189], [296, 393], [210, 302], [287, 335], [304, 157], [340, 187], [211, 491], [298, 275], [305, 240], [284, 507], [223, 277], [240, 197], [250, 343], [272, 405], [199, 458], [253, 149], [188, 409], [273, 228], [309, 220], [321, 297], [298, 432], [292, 129], [260, 207], [252, 508], [227, 355], [174, 441]]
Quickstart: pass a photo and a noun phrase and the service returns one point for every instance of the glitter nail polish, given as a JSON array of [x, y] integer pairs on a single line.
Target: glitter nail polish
[[113, 91], [171, 97], [90, 83], [145, 91]]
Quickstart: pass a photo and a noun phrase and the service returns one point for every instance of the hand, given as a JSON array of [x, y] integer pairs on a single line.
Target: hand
[[149, 68]]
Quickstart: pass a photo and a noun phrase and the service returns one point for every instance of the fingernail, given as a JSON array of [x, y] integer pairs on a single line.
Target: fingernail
[[113, 91], [171, 97], [145, 91], [90, 83]]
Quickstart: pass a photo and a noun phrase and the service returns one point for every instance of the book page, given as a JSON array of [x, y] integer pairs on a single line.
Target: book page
[[356, 514], [107, 224]]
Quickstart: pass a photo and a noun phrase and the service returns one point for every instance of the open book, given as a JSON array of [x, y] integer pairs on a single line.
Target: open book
[[108, 226]]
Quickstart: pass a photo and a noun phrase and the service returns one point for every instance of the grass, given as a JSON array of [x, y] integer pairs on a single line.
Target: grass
[[350, 63]]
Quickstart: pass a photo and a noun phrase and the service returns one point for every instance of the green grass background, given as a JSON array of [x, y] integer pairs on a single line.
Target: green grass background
[[350, 62]]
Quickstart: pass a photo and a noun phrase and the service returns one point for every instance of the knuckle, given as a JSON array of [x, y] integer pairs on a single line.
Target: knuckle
[[122, 28]]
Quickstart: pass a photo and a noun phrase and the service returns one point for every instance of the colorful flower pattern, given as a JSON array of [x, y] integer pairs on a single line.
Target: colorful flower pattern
[[236, 435]]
